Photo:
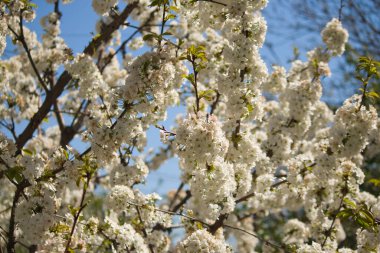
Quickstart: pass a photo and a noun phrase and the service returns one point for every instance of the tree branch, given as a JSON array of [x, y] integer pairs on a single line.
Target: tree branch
[[82, 205], [65, 77], [12, 223]]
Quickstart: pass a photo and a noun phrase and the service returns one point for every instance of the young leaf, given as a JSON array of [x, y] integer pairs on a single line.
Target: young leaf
[[207, 94], [149, 36]]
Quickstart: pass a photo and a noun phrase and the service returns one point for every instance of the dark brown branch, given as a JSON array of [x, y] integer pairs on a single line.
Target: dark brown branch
[[58, 115], [279, 183], [12, 223], [176, 195], [78, 112], [182, 202], [70, 131], [218, 223], [215, 103], [244, 198], [56, 9]]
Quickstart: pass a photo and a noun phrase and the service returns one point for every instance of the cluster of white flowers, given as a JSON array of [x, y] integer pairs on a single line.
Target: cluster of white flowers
[[204, 242], [152, 82], [102, 7], [352, 125], [244, 70], [106, 140], [18, 89], [201, 147], [295, 231], [51, 24], [36, 215], [335, 36], [3, 34], [246, 158], [7, 148], [126, 238], [91, 83], [212, 187], [129, 175], [276, 81], [200, 140]]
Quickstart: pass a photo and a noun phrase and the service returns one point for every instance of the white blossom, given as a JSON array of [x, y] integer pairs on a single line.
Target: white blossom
[[335, 36]]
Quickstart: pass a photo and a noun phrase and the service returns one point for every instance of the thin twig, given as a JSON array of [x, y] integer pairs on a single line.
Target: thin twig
[[328, 232], [215, 103], [182, 202], [250, 195], [340, 10], [274, 245], [20, 37], [12, 223], [143, 228], [176, 195], [207, 224], [82, 205], [212, 1]]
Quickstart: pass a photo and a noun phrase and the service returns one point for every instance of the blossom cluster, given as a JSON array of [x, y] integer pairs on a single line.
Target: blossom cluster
[[256, 147]]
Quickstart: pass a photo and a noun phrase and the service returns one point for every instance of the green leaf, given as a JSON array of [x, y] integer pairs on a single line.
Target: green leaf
[[367, 215], [155, 3], [32, 5], [344, 214], [375, 182], [96, 37], [199, 225], [78, 181], [373, 94], [27, 152], [250, 107], [170, 16], [362, 222], [207, 94], [191, 78], [174, 8], [60, 228], [349, 203], [70, 250], [149, 36], [15, 173], [28, 4], [360, 78], [66, 154], [73, 210], [180, 42]]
